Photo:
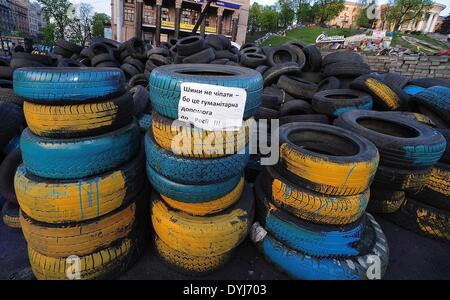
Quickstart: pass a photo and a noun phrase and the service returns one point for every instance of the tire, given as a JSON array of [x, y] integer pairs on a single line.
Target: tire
[[12, 122], [336, 102], [220, 61], [446, 157], [138, 80], [308, 205], [141, 100], [145, 122], [295, 107], [266, 113], [423, 219], [78, 158], [253, 60], [104, 57], [273, 73], [17, 63], [190, 45], [10, 215], [395, 80], [129, 71], [159, 60], [79, 120], [183, 139], [401, 179], [301, 58], [97, 49], [429, 82], [43, 59], [297, 87], [435, 119], [436, 99], [8, 168], [160, 51], [215, 42], [190, 193], [108, 64], [226, 54], [314, 118], [384, 201], [165, 85], [136, 48], [315, 77], [74, 48], [281, 54], [275, 97], [328, 241], [105, 263], [202, 57], [342, 56], [413, 89], [79, 239], [193, 170], [253, 49], [189, 264], [49, 86], [382, 94], [261, 69], [301, 266], [6, 72], [69, 63], [313, 59], [346, 69], [403, 143], [304, 160], [206, 235], [436, 192], [329, 83], [69, 201]]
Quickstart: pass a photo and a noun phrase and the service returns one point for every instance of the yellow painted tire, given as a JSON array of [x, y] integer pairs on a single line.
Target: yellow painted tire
[[206, 235], [186, 140], [102, 264], [64, 201], [79, 120], [78, 238], [327, 159], [10, 215], [309, 205], [385, 201], [189, 264], [210, 207], [385, 96]]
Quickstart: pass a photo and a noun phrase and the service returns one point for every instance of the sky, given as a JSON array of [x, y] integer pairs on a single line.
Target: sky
[[104, 6]]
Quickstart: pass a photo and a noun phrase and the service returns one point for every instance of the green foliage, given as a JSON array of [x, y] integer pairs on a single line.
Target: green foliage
[[286, 13], [402, 11], [326, 10], [253, 18], [98, 23], [304, 13], [56, 13], [363, 20], [268, 19], [48, 34]]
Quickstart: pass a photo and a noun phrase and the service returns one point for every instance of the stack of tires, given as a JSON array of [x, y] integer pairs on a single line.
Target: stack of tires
[[10, 209], [201, 209], [409, 151], [311, 205], [81, 182]]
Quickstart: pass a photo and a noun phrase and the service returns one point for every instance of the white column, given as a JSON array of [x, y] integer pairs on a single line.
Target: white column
[[433, 23], [119, 20], [410, 25], [427, 26], [420, 25]]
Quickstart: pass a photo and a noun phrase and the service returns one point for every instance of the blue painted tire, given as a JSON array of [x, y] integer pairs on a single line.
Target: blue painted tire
[[413, 89], [79, 158], [145, 122], [165, 84], [190, 193], [193, 170], [402, 142], [68, 85], [436, 99], [302, 266], [306, 237]]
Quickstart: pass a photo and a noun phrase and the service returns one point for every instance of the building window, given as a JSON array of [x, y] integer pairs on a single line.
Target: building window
[[148, 17], [165, 14], [189, 16], [128, 14], [129, 1]]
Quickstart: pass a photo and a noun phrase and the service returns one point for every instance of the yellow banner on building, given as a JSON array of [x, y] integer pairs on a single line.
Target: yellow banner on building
[[186, 26]]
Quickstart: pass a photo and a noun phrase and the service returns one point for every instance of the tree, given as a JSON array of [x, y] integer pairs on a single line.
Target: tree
[[79, 29], [445, 27], [268, 19], [403, 11], [98, 23], [253, 18], [326, 10], [363, 18], [304, 13], [286, 13], [56, 12], [48, 34]]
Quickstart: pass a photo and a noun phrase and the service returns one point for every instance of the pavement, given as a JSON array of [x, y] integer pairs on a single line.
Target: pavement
[[411, 257]]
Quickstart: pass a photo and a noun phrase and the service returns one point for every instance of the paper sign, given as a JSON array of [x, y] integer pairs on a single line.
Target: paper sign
[[212, 107]]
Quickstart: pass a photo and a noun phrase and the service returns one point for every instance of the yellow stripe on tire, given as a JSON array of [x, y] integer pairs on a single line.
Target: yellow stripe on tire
[[185, 140], [439, 181], [79, 238], [92, 266], [389, 98], [189, 264], [210, 207], [12, 222]]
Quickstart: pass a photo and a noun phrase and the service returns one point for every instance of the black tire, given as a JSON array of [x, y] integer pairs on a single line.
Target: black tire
[[305, 118], [202, 57], [403, 143], [262, 68], [63, 52], [102, 58], [74, 48], [190, 45], [12, 121], [17, 63], [129, 70], [273, 73], [97, 49], [282, 54], [8, 95], [108, 64], [253, 60], [136, 48], [436, 99], [384, 201], [301, 58], [226, 54], [446, 133], [138, 80], [401, 179], [346, 69], [329, 83], [313, 59], [336, 102], [315, 77], [342, 56], [252, 49], [161, 51], [297, 86], [6, 84], [7, 171], [429, 82], [43, 59], [296, 107], [394, 79], [248, 45], [159, 60], [137, 64], [220, 61], [215, 42], [108, 42], [141, 100], [10, 215], [266, 113], [6, 72], [69, 63]]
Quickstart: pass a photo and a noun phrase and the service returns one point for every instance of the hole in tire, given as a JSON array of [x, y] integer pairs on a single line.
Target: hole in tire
[[388, 127], [341, 97]]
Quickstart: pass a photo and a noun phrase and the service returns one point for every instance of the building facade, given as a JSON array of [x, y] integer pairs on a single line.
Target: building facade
[[35, 18], [348, 17], [176, 18], [20, 16]]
